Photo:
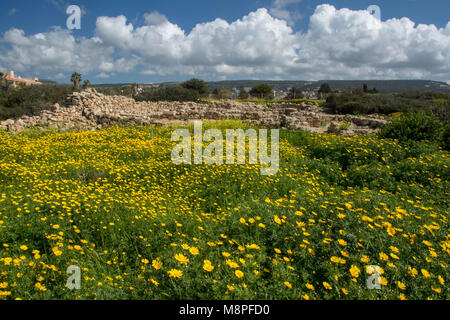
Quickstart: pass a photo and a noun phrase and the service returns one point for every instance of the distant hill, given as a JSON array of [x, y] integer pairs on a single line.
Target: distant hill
[[383, 86]]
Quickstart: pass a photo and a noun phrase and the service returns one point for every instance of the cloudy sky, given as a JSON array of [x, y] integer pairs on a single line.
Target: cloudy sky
[[173, 40]]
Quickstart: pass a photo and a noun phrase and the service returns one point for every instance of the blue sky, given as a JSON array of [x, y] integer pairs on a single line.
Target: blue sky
[[172, 50]]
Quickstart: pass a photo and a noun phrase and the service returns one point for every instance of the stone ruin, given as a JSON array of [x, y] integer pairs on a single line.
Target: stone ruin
[[90, 110]]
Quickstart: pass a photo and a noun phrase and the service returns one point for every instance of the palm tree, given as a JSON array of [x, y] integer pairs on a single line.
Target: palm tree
[[86, 84], [134, 89], [76, 79]]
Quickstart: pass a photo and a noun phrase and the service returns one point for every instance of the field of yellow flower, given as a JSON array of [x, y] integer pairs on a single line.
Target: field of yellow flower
[[139, 227]]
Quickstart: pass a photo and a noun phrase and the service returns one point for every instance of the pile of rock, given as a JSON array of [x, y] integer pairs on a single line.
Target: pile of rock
[[90, 110]]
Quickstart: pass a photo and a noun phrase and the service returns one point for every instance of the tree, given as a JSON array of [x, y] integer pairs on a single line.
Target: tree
[[262, 91], [134, 89], [325, 88], [86, 84], [243, 94], [215, 93], [225, 94], [2, 79], [295, 93], [365, 88], [76, 80], [197, 85]]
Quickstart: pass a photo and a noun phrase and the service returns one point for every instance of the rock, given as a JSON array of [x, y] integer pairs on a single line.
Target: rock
[[334, 128]]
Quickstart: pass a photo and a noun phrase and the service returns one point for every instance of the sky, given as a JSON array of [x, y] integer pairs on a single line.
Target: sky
[[175, 40]]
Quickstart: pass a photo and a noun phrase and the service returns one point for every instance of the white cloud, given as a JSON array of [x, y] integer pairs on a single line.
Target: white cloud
[[12, 12], [282, 9], [155, 18], [339, 44], [103, 75]]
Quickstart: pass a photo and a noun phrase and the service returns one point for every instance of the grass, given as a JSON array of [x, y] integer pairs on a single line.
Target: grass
[[139, 227]]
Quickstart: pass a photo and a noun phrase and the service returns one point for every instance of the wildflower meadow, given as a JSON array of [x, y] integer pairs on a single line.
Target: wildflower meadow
[[113, 205]]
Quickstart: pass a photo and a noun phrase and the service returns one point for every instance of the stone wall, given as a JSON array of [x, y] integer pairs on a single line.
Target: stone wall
[[90, 110]]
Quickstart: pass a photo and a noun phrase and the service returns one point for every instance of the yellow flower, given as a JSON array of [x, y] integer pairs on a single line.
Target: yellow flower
[[239, 274], [174, 273], [365, 259], [401, 285], [394, 256], [157, 264], [337, 260], [232, 264], [24, 248], [342, 242], [344, 291], [354, 271], [194, 251], [384, 256], [425, 273], [437, 290], [154, 282], [413, 272], [287, 284], [207, 266], [145, 261], [327, 286], [56, 251], [277, 219], [309, 286], [181, 258]]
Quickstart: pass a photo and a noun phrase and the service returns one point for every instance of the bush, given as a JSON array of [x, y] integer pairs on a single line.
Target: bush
[[174, 93], [197, 85], [414, 127], [432, 103], [29, 100]]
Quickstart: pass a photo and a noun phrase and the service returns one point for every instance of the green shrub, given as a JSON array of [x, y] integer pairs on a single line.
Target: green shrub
[[413, 127], [16, 102], [173, 93]]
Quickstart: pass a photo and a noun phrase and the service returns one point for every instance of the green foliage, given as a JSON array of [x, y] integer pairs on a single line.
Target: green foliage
[[262, 91], [76, 80], [357, 102], [28, 100], [243, 94], [415, 126], [113, 203], [325, 88], [172, 93], [86, 84], [200, 86]]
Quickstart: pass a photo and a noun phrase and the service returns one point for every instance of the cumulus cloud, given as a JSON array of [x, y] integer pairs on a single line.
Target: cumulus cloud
[[339, 44], [282, 9], [155, 18]]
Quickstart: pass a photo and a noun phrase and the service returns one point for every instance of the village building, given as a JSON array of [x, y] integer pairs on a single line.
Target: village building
[[14, 80]]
